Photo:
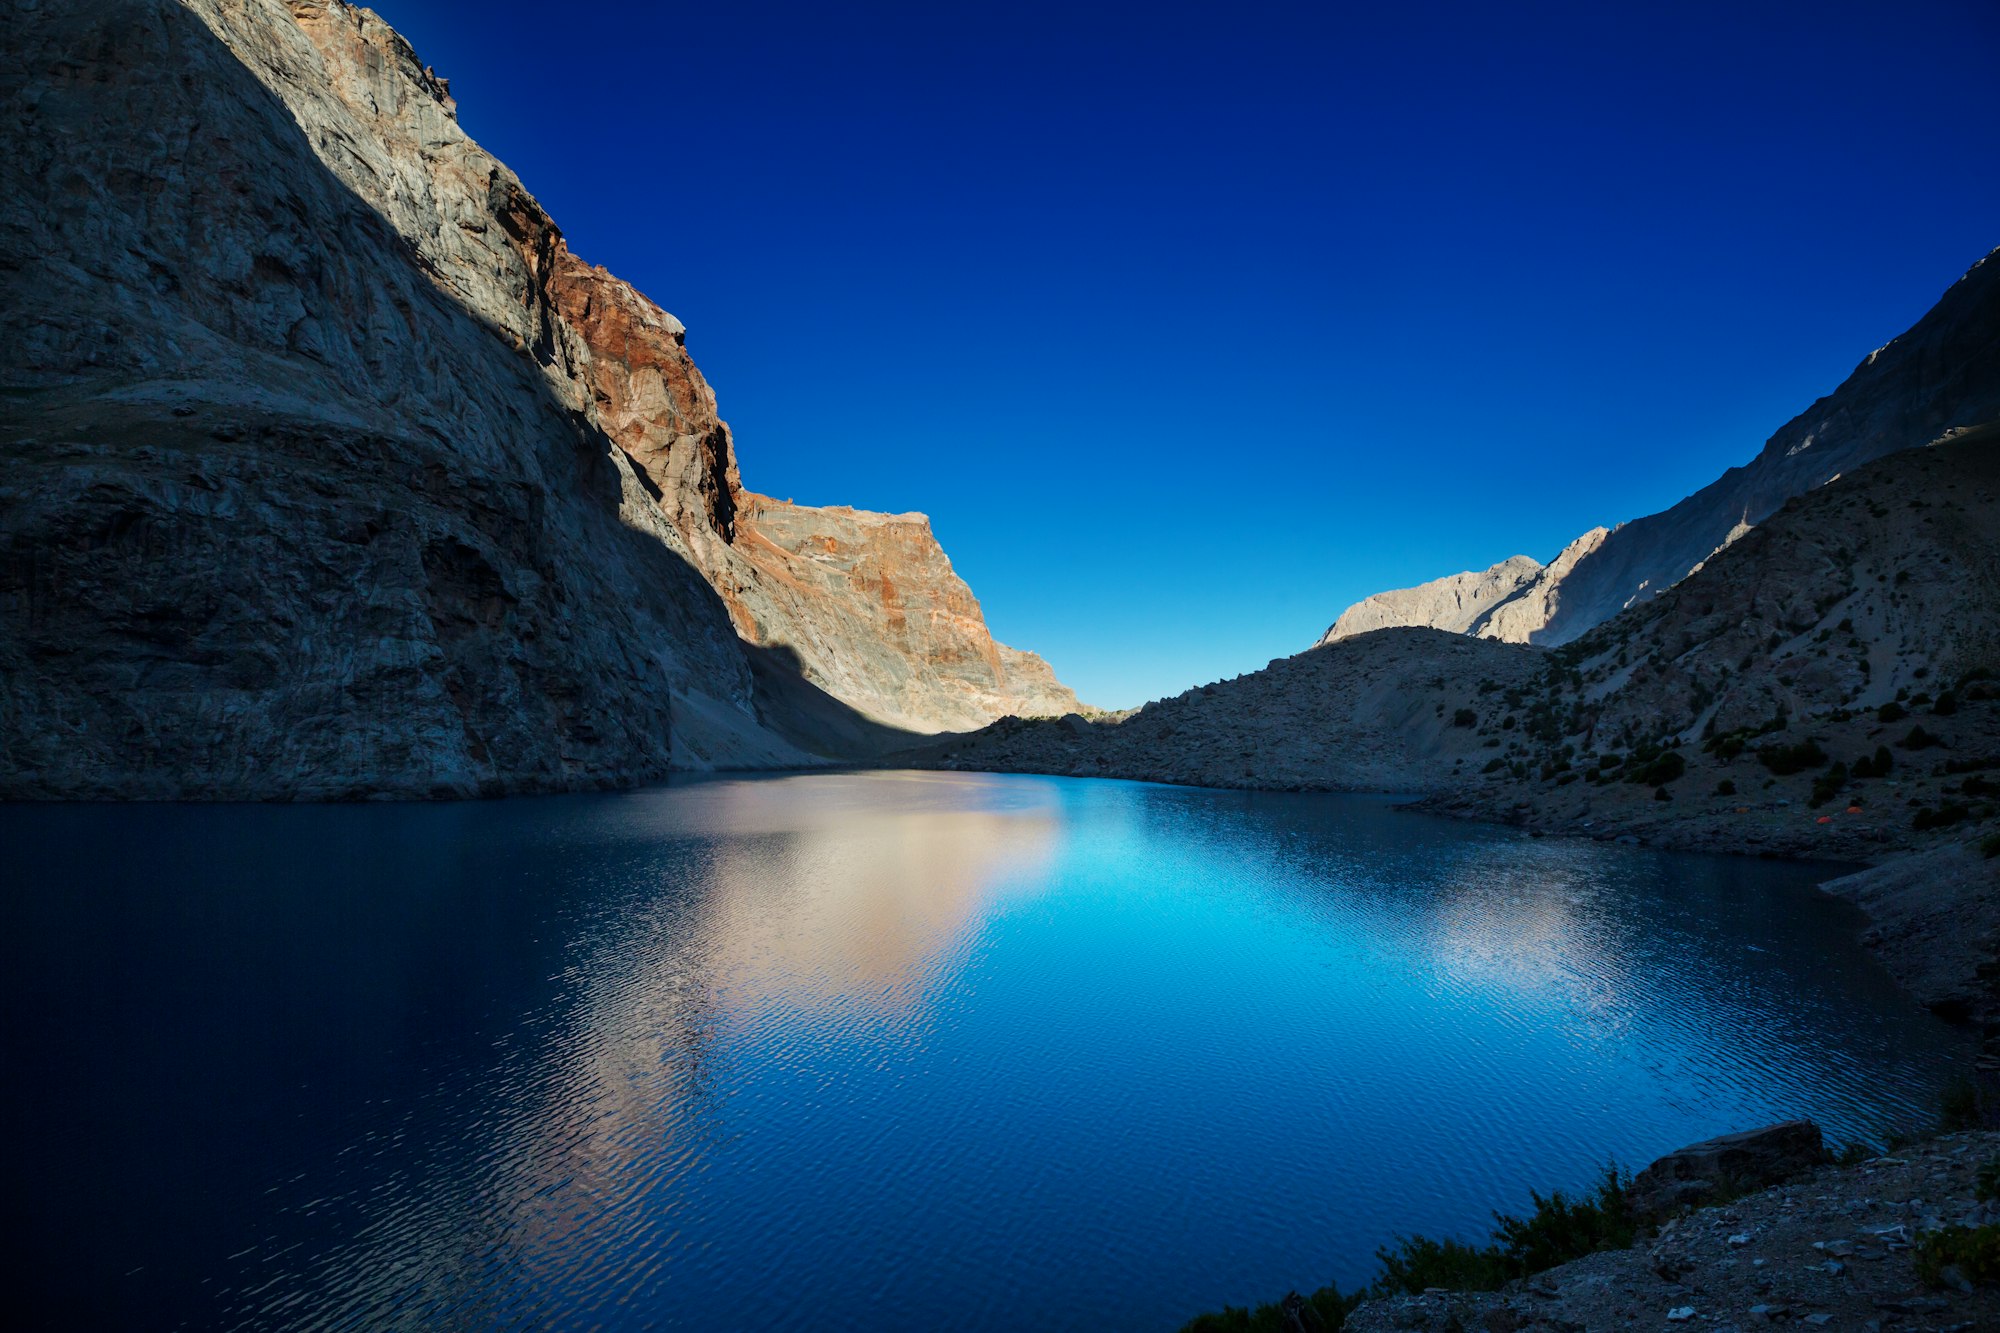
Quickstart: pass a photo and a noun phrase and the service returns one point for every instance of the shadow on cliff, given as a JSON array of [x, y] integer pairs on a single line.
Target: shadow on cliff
[[647, 589], [812, 719]]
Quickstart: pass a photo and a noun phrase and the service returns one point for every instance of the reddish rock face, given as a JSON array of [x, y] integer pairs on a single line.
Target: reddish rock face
[[649, 396], [866, 604], [873, 606], [329, 470]]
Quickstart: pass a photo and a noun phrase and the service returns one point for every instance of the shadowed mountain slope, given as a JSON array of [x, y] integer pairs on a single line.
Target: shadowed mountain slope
[[330, 471], [1940, 378]]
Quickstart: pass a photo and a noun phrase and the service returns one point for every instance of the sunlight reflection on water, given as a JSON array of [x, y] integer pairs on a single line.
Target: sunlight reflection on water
[[878, 1050]]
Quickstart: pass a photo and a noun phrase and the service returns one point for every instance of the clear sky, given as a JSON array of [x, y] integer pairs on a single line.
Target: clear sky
[[1189, 325]]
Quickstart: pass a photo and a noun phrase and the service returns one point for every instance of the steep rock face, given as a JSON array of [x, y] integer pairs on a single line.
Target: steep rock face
[[1456, 602], [871, 604], [865, 604], [330, 470], [1939, 379], [1521, 617]]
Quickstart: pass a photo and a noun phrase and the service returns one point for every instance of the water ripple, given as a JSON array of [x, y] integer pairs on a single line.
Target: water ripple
[[875, 1051]]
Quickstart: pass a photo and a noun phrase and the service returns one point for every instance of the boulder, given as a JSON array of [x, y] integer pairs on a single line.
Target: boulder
[[1732, 1164]]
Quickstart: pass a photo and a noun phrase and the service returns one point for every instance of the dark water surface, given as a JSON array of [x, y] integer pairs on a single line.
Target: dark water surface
[[878, 1051]]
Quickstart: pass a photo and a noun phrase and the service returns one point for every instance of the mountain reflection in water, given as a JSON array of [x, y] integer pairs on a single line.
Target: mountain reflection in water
[[872, 1050]]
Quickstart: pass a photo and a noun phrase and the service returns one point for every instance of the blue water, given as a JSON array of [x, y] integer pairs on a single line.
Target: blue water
[[870, 1051]]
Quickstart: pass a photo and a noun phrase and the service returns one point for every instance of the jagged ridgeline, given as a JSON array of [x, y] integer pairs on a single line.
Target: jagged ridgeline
[[331, 471], [1940, 379]]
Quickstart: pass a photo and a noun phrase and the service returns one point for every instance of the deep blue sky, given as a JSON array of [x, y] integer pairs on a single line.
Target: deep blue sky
[[1190, 325]]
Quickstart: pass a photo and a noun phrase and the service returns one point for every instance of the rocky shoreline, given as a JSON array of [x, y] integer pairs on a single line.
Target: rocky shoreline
[[1836, 1248], [1933, 908]]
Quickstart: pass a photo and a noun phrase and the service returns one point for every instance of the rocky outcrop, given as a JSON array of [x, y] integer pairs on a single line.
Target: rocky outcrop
[[1938, 380], [1729, 1164], [1457, 603], [866, 605], [331, 471], [1522, 617], [875, 612]]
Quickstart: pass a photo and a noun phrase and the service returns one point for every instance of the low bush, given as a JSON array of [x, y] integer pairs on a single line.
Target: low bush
[[1919, 739], [1464, 717], [1952, 1255], [1558, 1230], [1786, 759], [1327, 1302], [1878, 765], [1658, 771], [1960, 1106], [1891, 712], [1828, 785], [1951, 812]]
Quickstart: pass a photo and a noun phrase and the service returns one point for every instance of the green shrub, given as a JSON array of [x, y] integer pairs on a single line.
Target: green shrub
[[1828, 785], [1946, 704], [1959, 1106], [1418, 1262], [1784, 759], [1560, 1229], [1951, 812], [1919, 739], [1658, 771], [1891, 712], [1973, 1251], [1988, 1187], [1878, 765], [1331, 1306], [1725, 788]]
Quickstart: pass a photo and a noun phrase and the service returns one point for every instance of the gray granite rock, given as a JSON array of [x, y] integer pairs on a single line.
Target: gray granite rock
[[331, 471]]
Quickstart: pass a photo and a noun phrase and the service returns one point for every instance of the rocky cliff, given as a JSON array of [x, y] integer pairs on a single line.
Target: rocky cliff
[[331, 471], [1939, 379]]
